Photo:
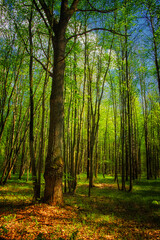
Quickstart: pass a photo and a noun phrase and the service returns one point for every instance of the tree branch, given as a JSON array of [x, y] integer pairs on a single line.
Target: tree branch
[[93, 9], [44, 67], [66, 11], [74, 5], [40, 13], [26, 48], [96, 29], [97, 10], [47, 11]]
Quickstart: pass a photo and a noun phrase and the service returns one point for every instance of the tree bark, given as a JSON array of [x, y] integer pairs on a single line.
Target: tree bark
[[31, 138], [54, 161], [155, 48]]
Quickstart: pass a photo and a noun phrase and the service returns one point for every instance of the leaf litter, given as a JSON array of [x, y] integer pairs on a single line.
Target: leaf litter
[[92, 218]]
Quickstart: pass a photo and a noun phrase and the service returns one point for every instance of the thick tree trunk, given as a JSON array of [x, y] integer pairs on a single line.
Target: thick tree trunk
[[54, 161]]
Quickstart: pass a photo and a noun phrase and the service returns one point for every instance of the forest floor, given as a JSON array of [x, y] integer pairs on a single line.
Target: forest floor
[[107, 214]]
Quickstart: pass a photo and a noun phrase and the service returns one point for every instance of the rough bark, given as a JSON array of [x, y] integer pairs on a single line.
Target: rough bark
[[54, 161]]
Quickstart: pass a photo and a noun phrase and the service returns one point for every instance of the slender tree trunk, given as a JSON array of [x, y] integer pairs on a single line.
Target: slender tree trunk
[[129, 108], [115, 126], [123, 103], [79, 131], [68, 157], [42, 142], [126, 144], [22, 160], [123, 140], [31, 138], [74, 142], [145, 115], [155, 51]]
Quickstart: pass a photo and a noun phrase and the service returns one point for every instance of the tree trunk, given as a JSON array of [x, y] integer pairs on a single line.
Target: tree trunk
[[22, 161], [54, 161], [42, 142], [31, 138], [155, 51]]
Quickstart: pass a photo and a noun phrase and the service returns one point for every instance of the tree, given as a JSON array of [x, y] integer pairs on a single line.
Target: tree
[[31, 137], [105, 123], [54, 162], [152, 15]]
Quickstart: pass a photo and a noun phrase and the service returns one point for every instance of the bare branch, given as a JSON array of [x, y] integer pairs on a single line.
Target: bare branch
[[26, 48], [97, 10], [41, 14], [44, 67], [74, 5], [47, 11], [93, 9], [96, 29]]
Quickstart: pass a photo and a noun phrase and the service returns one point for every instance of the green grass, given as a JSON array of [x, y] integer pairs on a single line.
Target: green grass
[[107, 212], [106, 203]]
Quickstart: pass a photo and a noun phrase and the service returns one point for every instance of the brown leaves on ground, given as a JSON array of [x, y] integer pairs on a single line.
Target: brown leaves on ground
[[95, 218], [29, 222]]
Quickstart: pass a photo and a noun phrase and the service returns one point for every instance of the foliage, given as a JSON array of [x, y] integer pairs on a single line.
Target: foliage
[[111, 92]]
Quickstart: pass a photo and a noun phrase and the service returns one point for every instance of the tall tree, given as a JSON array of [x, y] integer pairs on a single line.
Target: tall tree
[[31, 137], [152, 15], [57, 25]]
